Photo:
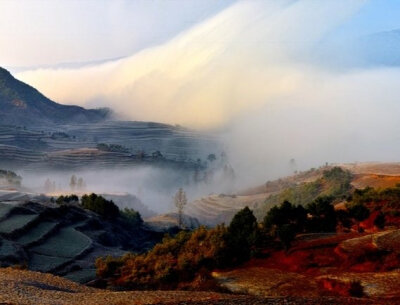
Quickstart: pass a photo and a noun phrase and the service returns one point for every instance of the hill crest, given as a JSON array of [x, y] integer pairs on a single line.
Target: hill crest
[[21, 104]]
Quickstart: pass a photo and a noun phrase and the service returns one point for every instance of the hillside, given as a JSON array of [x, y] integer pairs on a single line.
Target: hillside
[[320, 265], [300, 188], [22, 105], [19, 287], [64, 240]]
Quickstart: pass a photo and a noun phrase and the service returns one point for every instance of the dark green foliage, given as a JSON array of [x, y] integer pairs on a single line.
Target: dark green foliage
[[132, 217], [285, 221], [356, 289], [389, 196], [359, 212], [323, 216], [286, 234], [67, 199], [339, 181], [185, 257], [99, 205], [11, 177], [112, 147], [286, 213], [211, 157], [334, 182], [242, 235], [380, 220], [343, 218]]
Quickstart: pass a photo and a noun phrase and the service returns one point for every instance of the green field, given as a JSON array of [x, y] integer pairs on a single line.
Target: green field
[[82, 276], [5, 209], [15, 222], [67, 242], [46, 263], [6, 248], [36, 233]]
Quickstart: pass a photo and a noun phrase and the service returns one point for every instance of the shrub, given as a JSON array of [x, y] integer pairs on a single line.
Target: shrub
[[132, 217], [67, 199], [185, 258], [379, 221], [243, 235], [356, 289], [323, 216], [99, 205]]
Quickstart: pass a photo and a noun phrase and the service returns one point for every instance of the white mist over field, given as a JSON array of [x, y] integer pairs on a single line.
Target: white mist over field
[[257, 71], [155, 187]]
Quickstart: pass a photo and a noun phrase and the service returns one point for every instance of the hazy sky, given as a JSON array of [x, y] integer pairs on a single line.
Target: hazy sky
[[47, 32]]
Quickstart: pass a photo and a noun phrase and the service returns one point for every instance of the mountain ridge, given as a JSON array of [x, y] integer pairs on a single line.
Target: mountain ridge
[[23, 105]]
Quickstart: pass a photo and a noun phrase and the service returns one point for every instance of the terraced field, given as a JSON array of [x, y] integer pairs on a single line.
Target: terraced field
[[37, 233], [16, 222], [64, 240], [69, 146], [216, 209], [67, 243]]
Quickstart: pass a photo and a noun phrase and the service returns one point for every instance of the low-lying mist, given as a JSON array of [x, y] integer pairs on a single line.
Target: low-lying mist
[[155, 187]]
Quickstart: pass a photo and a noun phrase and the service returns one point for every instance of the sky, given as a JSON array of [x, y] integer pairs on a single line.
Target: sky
[[45, 33], [309, 79], [72, 31]]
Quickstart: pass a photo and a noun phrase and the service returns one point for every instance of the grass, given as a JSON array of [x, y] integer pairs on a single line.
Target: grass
[[7, 248], [15, 222], [5, 209], [36, 233], [66, 242], [82, 276], [45, 263]]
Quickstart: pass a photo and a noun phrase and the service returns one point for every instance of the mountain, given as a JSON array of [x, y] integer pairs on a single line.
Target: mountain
[[23, 105]]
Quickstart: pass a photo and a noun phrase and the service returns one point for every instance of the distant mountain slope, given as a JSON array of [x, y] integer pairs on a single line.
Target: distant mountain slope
[[21, 104]]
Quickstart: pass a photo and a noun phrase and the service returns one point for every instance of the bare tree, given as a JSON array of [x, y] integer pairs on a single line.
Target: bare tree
[[73, 182], [180, 201]]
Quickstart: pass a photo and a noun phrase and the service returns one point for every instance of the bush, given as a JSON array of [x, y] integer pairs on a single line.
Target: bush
[[379, 221], [99, 205], [67, 199], [132, 217], [356, 289], [243, 235], [323, 216], [185, 258]]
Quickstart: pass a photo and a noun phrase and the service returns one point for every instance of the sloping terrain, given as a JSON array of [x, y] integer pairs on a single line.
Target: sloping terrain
[[36, 132], [32, 288], [74, 146], [323, 266], [214, 209], [20, 104], [64, 240]]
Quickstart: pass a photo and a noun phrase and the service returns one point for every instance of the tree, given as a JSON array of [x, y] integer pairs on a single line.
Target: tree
[[99, 205], [323, 216], [180, 201], [285, 221], [286, 234], [73, 182], [359, 212], [211, 157], [380, 220], [243, 235], [132, 217], [47, 186], [81, 184]]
